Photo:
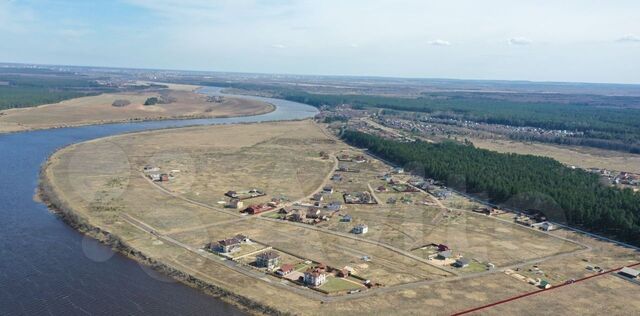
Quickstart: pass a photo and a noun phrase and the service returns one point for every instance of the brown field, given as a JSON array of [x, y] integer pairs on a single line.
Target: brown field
[[605, 295], [102, 181], [98, 109], [583, 157]]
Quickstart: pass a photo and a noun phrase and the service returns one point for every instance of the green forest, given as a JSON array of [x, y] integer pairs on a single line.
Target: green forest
[[23, 87], [567, 195]]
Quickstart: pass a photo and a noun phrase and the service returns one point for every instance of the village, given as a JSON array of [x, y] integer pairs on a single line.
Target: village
[[360, 181], [348, 226]]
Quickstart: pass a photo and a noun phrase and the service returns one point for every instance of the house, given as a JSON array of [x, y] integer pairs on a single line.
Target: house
[[313, 212], [361, 229], [256, 209], [523, 220], [442, 194], [360, 159], [443, 255], [285, 211], [443, 247], [462, 263], [359, 198], [336, 177], [314, 277], [235, 204], [629, 273], [298, 216], [327, 189], [255, 193], [346, 218], [483, 210], [333, 206], [228, 245], [149, 168], [536, 215], [318, 197], [285, 269], [398, 170], [155, 177], [164, 177], [268, 259], [382, 188], [546, 226], [344, 157], [343, 273], [241, 238], [232, 194]]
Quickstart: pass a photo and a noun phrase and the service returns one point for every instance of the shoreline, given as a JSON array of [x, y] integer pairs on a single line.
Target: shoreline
[[270, 109], [46, 195]]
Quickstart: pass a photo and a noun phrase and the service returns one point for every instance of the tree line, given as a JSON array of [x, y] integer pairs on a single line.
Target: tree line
[[602, 127], [572, 196]]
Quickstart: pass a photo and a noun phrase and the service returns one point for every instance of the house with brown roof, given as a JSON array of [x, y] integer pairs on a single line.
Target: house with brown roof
[[228, 245], [268, 259], [285, 269], [315, 277], [257, 209]]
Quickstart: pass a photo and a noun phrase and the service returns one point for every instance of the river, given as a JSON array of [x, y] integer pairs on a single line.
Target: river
[[46, 267]]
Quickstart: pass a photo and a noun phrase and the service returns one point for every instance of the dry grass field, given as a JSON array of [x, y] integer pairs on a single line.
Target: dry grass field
[[99, 109], [583, 157], [606, 295], [103, 182]]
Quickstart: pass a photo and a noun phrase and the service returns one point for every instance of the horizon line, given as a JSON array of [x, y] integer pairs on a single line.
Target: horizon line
[[325, 75]]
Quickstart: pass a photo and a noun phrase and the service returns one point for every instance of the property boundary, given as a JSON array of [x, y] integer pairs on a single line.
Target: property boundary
[[475, 309]]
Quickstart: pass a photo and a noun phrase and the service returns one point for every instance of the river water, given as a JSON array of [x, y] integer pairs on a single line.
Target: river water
[[46, 267]]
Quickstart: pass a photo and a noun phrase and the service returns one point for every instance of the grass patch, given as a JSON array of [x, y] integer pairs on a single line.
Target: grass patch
[[338, 285]]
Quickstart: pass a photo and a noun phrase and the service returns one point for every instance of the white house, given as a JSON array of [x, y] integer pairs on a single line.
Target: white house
[[315, 277], [361, 229]]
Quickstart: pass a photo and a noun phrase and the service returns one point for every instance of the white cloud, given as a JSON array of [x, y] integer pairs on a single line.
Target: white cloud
[[629, 38], [439, 42], [281, 46], [519, 41]]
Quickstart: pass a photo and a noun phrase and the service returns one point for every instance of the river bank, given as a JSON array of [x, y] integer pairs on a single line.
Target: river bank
[[54, 269], [46, 194]]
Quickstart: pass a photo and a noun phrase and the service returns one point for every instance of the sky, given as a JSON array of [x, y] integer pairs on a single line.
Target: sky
[[568, 40]]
